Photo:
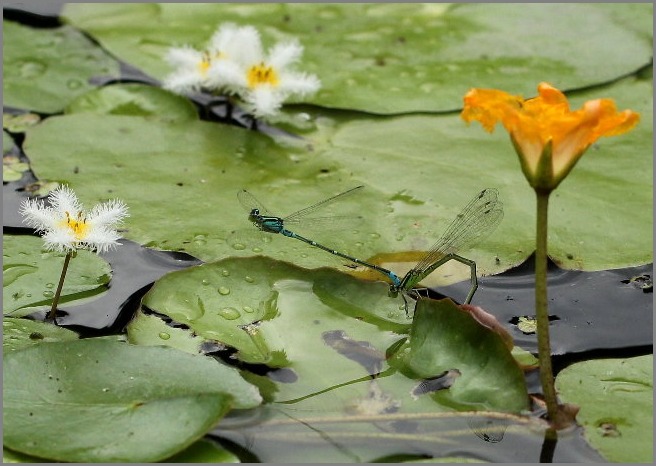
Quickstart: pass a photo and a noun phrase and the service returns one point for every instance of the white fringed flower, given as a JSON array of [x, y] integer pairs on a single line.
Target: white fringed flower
[[194, 68], [65, 227], [265, 82]]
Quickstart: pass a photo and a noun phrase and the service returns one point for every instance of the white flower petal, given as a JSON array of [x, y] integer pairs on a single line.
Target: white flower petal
[[263, 101], [229, 75], [64, 200], [183, 57], [300, 84], [284, 54], [183, 82], [36, 215], [245, 47], [108, 213], [60, 240]]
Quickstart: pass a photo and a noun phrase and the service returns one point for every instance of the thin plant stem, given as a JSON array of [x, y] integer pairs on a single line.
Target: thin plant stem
[[53, 310], [542, 306]]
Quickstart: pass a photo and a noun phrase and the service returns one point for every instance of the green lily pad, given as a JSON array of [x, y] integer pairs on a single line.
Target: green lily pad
[[395, 58], [154, 402], [201, 451], [18, 334], [443, 339], [616, 399], [152, 331], [30, 276], [20, 122], [44, 69], [134, 100], [204, 451], [324, 330], [13, 168], [7, 142], [426, 169]]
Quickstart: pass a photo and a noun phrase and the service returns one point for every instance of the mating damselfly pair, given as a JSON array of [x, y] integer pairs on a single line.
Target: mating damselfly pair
[[476, 220]]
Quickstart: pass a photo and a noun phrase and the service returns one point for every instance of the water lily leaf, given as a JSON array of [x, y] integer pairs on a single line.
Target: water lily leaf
[[616, 400], [13, 168], [30, 276], [427, 168], [395, 58], [152, 331], [23, 333], [204, 451], [7, 142], [444, 339], [232, 302], [134, 100], [44, 69], [154, 401], [18, 123]]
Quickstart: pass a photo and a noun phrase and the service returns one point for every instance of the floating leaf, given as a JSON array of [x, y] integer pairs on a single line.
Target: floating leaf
[[20, 122], [23, 333], [134, 100], [153, 402], [396, 58], [44, 69], [30, 276], [616, 397], [444, 338]]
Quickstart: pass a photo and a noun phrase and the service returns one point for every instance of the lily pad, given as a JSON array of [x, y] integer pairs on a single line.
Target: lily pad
[[445, 338], [396, 58], [30, 276], [134, 100], [152, 331], [154, 402], [616, 397], [18, 123], [44, 69], [13, 168], [427, 168], [18, 334]]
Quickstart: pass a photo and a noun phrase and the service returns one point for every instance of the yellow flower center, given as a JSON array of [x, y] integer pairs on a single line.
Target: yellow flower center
[[78, 226], [204, 64], [262, 74]]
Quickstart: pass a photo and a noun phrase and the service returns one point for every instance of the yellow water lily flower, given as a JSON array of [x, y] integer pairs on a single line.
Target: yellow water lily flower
[[548, 137]]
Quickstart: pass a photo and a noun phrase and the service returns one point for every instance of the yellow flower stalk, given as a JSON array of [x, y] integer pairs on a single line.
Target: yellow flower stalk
[[549, 139]]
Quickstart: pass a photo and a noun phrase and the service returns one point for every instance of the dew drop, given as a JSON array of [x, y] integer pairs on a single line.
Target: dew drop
[[256, 249], [229, 313], [200, 240], [205, 281], [32, 69], [267, 239], [74, 84], [248, 309], [249, 279], [238, 246], [105, 390], [164, 335], [50, 285], [225, 273], [48, 294], [374, 235], [224, 290]]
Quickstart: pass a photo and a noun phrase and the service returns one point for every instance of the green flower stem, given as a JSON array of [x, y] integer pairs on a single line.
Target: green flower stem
[[541, 305], [53, 310]]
